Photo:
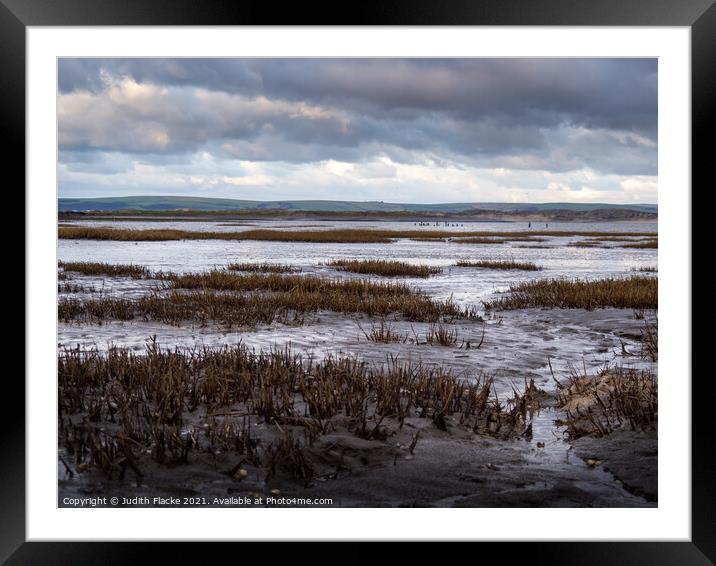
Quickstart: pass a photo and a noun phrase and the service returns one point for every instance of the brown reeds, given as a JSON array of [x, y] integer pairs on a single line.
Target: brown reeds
[[383, 332], [650, 339], [353, 235], [635, 292], [612, 239], [177, 308], [119, 407], [651, 244], [386, 268], [500, 264], [262, 268], [121, 234], [614, 398], [441, 334], [112, 270], [249, 299], [479, 240]]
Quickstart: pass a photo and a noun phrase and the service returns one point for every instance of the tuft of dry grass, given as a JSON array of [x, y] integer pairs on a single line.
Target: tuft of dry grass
[[499, 264], [635, 292], [587, 244], [479, 240], [651, 244], [442, 335], [287, 454], [112, 270], [384, 267], [262, 268], [614, 398], [384, 333], [650, 339], [605, 241], [612, 239]]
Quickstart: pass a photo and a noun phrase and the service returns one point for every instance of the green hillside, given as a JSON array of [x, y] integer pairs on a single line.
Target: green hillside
[[161, 203]]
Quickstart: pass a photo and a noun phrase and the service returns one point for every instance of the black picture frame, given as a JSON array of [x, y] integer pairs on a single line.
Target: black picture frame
[[699, 15]]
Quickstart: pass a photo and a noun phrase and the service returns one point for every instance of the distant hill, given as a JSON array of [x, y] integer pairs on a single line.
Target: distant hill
[[165, 204]]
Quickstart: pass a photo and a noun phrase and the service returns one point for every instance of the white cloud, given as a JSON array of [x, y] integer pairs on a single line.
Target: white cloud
[[410, 130], [381, 179]]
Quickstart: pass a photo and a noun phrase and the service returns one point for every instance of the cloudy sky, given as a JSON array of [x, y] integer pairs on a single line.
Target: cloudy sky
[[398, 130]]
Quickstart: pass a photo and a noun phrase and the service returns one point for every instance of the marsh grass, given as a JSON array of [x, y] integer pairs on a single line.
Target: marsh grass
[[604, 241], [483, 238], [650, 339], [479, 240], [383, 333], [387, 268], [354, 235], [234, 299], [310, 293], [634, 292], [651, 244], [500, 264], [287, 454], [121, 234], [225, 281], [68, 287], [262, 268], [441, 334], [112, 270], [177, 308], [612, 239], [118, 408], [525, 238], [587, 244], [615, 398]]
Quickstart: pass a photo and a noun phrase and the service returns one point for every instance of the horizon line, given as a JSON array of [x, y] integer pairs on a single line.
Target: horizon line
[[353, 201]]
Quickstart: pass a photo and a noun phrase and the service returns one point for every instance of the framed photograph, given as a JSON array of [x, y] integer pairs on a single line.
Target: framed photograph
[[398, 278]]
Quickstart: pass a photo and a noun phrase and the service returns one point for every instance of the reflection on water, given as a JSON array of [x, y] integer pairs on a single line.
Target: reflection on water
[[466, 285]]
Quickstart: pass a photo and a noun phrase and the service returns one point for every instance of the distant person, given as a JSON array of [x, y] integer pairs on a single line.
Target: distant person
[[546, 225], [529, 225]]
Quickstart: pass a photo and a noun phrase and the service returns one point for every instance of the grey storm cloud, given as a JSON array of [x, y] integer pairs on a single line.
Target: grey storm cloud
[[615, 93], [548, 114]]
